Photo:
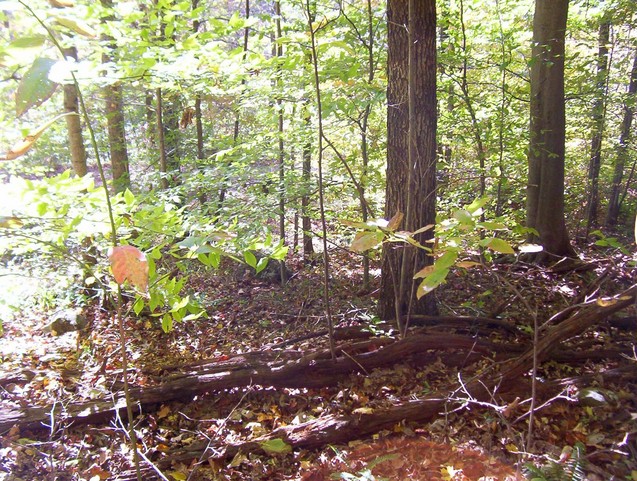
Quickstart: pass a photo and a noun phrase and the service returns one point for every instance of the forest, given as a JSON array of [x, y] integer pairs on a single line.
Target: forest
[[318, 239]]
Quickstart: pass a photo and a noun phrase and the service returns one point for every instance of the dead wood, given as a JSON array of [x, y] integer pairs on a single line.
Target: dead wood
[[288, 369], [267, 368], [341, 429]]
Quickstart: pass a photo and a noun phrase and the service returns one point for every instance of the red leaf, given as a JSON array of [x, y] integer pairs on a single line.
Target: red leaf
[[129, 264]]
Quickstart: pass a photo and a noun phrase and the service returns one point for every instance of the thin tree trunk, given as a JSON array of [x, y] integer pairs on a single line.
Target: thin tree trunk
[[159, 122], [74, 124], [364, 133], [545, 190], [598, 127], [504, 109], [614, 203], [306, 172], [281, 157], [475, 124], [151, 130], [198, 119], [235, 134]]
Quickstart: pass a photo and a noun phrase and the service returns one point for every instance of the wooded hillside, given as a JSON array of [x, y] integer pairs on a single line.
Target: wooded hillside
[[318, 239]]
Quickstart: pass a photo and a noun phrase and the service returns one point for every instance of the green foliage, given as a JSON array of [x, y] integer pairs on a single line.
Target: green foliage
[[570, 468], [458, 238], [35, 87], [609, 242], [64, 217]]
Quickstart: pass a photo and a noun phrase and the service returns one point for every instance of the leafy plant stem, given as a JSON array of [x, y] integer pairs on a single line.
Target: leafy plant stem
[[100, 167], [326, 260], [129, 405]]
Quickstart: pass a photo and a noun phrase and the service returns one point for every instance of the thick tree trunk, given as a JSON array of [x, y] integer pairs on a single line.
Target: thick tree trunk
[[411, 151], [614, 203], [74, 123], [598, 127], [117, 137], [115, 123], [545, 190]]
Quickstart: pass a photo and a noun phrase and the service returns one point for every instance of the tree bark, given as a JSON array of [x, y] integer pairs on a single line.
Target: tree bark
[[411, 151], [598, 127], [614, 202], [545, 190], [115, 121], [74, 123]]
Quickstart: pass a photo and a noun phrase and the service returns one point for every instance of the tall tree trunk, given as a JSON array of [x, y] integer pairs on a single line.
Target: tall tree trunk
[[598, 127], [149, 100], [545, 190], [371, 68], [445, 150], [278, 51], [117, 137], [614, 203], [475, 124], [306, 172], [502, 121], [115, 121], [411, 151], [168, 109], [74, 123], [198, 119], [161, 139], [235, 135]]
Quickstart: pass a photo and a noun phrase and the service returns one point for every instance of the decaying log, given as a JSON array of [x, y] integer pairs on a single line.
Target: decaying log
[[341, 429], [269, 368], [289, 369]]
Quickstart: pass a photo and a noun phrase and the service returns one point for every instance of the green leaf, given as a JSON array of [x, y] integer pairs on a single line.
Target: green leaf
[[250, 259], [167, 322], [129, 197], [463, 216], [35, 87], [138, 305], [499, 245], [477, 204], [77, 26], [432, 281], [28, 42], [275, 446], [262, 264], [366, 240], [492, 225], [280, 253], [446, 260]]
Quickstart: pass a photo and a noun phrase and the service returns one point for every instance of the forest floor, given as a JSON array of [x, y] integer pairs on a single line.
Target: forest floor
[[470, 441]]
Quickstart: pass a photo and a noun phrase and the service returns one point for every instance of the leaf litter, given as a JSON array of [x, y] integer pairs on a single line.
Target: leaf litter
[[39, 369]]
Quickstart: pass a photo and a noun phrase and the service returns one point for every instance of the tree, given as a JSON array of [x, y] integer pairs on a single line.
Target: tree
[[545, 189], [115, 118], [614, 203], [411, 151], [598, 126], [73, 123]]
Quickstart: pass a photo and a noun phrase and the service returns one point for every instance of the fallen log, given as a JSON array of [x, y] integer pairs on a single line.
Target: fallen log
[[266, 368], [283, 369], [334, 429]]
